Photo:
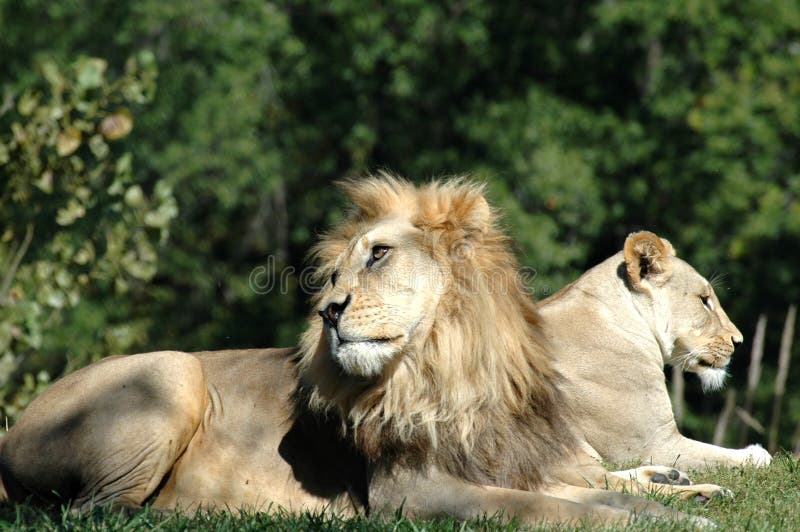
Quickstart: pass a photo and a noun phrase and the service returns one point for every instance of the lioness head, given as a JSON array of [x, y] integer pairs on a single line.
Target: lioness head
[[694, 331]]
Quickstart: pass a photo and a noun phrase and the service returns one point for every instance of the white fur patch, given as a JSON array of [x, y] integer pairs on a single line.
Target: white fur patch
[[364, 359], [757, 455], [712, 379]]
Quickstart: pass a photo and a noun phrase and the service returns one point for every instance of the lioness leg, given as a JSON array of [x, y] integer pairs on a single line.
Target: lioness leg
[[107, 433], [687, 453]]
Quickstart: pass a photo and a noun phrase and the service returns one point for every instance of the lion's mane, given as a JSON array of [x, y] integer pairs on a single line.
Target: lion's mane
[[478, 396]]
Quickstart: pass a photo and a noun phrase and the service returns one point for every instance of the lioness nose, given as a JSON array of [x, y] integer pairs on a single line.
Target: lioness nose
[[333, 312], [736, 341]]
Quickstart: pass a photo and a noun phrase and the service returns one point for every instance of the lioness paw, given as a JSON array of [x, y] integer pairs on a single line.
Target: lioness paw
[[757, 455], [656, 475]]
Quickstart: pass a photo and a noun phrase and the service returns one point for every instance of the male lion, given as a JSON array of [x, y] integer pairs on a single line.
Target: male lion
[[426, 385], [613, 330]]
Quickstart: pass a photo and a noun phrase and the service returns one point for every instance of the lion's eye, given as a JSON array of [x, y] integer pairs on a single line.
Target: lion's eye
[[708, 302], [378, 252]]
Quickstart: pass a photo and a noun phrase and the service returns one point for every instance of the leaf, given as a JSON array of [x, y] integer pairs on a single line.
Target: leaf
[[70, 213], [68, 141], [138, 267], [123, 165], [55, 299], [85, 255], [98, 146], [63, 279], [53, 76], [90, 72], [134, 196], [45, 182], [162, 216], [27, 103], [116, 125], [146, 58]]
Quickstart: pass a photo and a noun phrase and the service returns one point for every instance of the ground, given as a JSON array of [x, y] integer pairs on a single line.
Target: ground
[[763, 499]]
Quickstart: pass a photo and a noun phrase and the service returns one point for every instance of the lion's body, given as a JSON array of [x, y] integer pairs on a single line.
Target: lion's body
[[214, 429], [611, 343], [428, 387]]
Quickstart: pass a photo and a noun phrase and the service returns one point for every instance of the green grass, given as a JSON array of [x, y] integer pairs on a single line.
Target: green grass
[[763, 499]]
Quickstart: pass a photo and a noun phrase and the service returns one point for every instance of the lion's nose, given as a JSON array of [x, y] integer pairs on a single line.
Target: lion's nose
[[736, 341], [333, 312]]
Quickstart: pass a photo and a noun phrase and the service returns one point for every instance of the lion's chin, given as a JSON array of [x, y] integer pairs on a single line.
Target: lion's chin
[[364, 359], [711, 378]]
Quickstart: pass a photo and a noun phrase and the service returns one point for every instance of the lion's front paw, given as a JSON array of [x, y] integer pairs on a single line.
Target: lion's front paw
[[704, 492], [757, 455]]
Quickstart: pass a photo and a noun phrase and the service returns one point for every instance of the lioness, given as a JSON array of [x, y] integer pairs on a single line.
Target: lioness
[[424, 383], [612, 332]]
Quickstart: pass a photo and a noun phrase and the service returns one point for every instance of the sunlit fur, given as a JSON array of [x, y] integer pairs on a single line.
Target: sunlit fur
[[476, 396], [711, 378]]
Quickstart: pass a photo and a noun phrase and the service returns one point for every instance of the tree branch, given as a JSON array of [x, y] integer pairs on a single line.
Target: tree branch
[[12, 269]]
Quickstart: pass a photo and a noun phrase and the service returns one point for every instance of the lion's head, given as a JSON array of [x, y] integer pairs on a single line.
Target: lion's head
[[422, 337], [694, 331]]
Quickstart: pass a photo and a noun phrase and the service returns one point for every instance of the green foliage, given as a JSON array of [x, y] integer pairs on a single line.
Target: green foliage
[[72, 215], [588, 120]]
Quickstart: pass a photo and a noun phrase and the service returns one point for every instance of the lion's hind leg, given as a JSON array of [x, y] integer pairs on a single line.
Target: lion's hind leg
[[107, 433]]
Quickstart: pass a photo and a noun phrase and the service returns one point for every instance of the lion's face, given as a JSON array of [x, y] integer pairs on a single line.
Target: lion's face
[[687, 310], [380, 296]]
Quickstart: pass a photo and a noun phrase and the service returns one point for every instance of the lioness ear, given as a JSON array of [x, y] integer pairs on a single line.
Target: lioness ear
[[668, 247], [647, 259]]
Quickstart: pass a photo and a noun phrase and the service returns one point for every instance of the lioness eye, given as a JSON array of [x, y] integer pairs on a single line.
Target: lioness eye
[[707, 302], [378, 252]]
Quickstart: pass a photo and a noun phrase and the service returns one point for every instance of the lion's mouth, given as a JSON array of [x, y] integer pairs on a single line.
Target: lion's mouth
[[363, 357], [717, 363], [380, 340]]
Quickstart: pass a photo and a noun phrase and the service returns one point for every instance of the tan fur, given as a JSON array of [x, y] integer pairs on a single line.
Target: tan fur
[[613, 331], [479, 389], [431, 388]]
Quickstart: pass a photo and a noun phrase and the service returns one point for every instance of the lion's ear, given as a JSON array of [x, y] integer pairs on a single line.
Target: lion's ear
[[647, 259], [477, 215], [456, 207]]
